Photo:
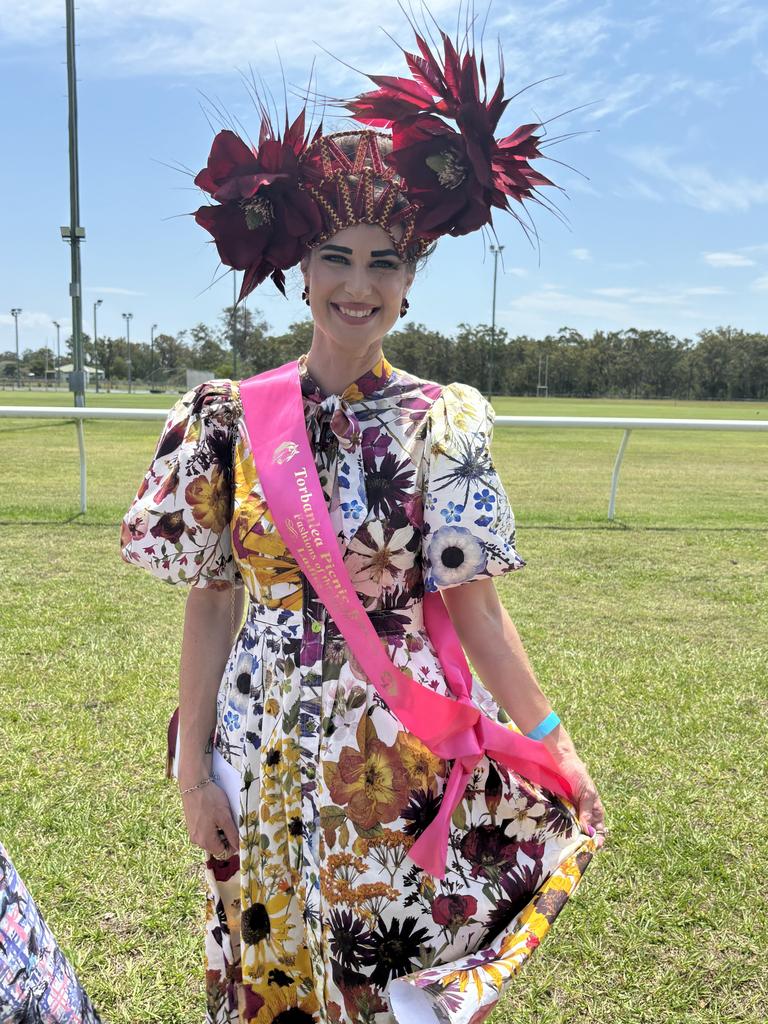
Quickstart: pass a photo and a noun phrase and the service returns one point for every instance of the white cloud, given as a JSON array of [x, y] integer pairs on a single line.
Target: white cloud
[[635, 188], [660, 296], [696, 185], [727, 259], [35, 319], [739, 22], [760, 284], [545, 310], [581, 254]]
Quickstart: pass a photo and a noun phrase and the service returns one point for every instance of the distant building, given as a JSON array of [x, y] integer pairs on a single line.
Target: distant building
[[195, 377]]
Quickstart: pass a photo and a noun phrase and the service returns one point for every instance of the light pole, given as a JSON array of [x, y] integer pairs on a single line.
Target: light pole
[[57, 325], [128, 317], [234, 324], [16, 313], [152, 351], [496, 250], [96, 305]]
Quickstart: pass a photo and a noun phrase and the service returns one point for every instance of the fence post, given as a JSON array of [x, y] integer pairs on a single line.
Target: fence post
[[81, 445], [615, 477]]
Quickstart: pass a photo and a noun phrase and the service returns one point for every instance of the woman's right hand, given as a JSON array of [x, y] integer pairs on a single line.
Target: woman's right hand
[[208, 815]]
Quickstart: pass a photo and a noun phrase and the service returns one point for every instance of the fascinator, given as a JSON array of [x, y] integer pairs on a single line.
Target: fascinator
[[428, 160]]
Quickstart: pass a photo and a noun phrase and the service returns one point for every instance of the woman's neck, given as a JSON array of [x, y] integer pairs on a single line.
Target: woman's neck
[[335, 368]]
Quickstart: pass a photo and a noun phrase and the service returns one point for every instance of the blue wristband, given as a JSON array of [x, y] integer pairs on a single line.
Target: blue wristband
[[544, 727]]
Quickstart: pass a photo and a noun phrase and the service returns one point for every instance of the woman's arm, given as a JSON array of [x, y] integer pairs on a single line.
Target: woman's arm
[[494, 647], [206, 645]]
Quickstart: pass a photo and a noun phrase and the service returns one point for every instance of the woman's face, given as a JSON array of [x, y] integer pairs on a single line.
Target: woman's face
[[357, 283]]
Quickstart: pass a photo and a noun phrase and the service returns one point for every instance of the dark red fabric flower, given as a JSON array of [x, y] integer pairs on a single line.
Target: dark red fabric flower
[[170, 526], [223, 870], [433, 160], [264, 219], [457, 177], [452, 911]]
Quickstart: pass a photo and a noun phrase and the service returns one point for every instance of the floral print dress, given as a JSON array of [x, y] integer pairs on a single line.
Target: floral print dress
[[320, 915]]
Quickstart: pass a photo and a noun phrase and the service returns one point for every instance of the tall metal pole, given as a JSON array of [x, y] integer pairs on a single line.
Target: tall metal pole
[[57, 325], [96, 305], [495, 249], [74, 233], [127, 317], [152, 351], [15, 313], [234, 324]]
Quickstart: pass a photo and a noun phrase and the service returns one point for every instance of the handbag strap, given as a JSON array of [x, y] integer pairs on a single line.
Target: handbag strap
[[451, 727]]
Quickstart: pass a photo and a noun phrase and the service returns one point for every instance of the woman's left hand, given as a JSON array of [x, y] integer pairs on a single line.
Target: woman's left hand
[[589, 807]]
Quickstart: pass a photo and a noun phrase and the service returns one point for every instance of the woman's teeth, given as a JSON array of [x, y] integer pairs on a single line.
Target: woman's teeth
[[356, 314]]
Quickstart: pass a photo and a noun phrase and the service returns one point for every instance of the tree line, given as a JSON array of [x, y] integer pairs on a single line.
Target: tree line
[[723, 363]]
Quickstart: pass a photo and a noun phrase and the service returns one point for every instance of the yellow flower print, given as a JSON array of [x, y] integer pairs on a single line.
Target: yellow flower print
[[419, 762], [245, 474], [285, 1002], [257, 542], [353, 394], [192, 435], [209, 500], [371, 781]]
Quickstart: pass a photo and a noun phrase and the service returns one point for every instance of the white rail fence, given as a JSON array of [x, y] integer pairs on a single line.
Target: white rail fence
[[552, 422]]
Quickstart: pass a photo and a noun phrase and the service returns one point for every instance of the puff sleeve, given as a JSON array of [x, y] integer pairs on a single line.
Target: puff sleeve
[[178, 525], [469, 526]]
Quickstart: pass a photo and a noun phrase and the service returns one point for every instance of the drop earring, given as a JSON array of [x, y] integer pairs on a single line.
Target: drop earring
[[404, 306], [305, 294]]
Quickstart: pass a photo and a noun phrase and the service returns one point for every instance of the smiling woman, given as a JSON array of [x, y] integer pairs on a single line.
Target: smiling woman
[[369, 872]]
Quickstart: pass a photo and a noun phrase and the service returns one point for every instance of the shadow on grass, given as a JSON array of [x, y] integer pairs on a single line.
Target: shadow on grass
[[50, 424]]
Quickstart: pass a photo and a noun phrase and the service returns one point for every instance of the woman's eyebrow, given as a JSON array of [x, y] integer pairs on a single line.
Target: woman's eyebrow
[[344, 249]]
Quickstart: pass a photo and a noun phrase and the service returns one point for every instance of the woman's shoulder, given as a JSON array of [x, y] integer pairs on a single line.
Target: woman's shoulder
[[462, 406], [217, 399]]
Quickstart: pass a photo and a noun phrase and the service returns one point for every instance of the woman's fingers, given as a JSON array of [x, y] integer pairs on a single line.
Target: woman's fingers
[[226, 825], [209, 821], [592, 814]]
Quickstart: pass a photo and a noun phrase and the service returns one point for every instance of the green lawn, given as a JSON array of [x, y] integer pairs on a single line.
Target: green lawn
[[649, 635]]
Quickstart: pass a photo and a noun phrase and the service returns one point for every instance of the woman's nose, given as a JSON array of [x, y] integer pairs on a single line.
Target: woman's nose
[[358, 284]]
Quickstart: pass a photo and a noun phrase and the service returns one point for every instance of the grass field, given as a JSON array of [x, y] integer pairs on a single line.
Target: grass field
[[649, 635]]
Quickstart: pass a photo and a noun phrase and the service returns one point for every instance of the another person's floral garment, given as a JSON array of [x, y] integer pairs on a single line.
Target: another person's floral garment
[[321, 916], [38, 984]]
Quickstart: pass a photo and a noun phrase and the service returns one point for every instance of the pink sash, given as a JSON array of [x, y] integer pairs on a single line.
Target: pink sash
[[451, 727]]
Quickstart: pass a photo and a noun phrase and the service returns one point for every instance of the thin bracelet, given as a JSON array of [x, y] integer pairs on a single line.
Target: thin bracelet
[[545, 726], [204, 782]]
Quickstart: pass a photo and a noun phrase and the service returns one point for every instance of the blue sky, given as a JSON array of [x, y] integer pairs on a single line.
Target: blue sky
[[670, 231]]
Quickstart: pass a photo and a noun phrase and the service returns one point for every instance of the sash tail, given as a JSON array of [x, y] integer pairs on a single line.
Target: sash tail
[[529, 758], [430, 851]]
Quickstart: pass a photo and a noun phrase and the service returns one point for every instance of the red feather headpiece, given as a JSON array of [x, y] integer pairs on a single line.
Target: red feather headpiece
[[278, 199]]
